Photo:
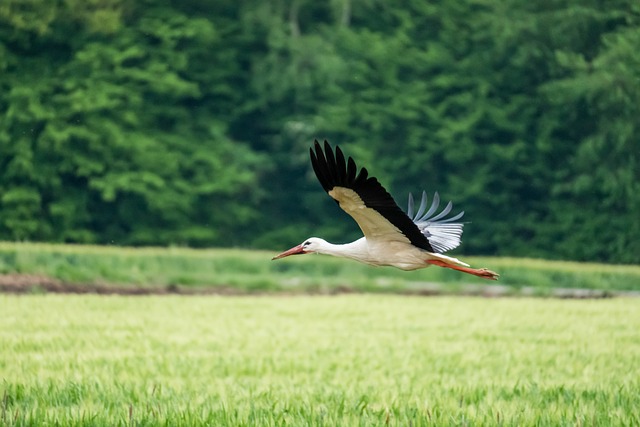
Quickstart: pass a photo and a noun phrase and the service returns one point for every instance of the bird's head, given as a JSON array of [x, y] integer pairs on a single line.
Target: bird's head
[[309, 246]]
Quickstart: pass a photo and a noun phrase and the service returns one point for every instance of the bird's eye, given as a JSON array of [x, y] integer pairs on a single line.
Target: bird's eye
[[306, 243]]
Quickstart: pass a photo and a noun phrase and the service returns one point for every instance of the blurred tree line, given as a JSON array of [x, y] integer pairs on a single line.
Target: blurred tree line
[[188, 122]]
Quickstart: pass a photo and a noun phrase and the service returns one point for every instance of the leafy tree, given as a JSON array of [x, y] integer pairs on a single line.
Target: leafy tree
[[599, 196], [121, 147], [189, 122]]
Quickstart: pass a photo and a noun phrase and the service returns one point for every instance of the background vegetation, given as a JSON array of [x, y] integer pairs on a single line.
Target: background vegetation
[[188, 122], [46, 267]]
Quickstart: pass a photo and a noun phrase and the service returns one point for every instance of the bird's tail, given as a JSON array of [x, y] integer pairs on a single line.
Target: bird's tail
[[448, 259]]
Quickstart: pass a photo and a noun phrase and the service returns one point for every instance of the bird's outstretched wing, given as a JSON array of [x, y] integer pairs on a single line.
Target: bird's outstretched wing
[[443, 233], [364, 198]]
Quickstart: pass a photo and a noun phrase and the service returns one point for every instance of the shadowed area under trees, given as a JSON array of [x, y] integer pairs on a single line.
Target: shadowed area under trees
[[189, 122]]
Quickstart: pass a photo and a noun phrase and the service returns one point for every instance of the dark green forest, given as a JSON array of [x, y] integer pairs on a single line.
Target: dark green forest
[[188, 122]]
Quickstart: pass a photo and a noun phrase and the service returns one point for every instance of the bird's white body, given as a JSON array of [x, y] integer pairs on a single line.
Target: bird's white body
[[380, 253]]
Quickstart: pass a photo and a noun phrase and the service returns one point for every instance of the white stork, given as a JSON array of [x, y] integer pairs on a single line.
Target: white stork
[[391, 237]]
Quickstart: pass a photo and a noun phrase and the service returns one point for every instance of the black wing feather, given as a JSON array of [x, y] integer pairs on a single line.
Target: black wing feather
[[317, 159], [352, 169], [332, 171], [341, 165]]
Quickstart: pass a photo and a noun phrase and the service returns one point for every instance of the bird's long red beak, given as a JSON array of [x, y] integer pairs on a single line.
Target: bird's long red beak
[[296, 250]]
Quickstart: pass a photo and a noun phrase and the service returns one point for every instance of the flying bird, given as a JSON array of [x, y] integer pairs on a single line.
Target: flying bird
[[391, 236]]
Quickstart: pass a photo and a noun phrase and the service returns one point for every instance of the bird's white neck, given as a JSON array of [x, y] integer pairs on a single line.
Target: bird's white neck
[[356, 250]]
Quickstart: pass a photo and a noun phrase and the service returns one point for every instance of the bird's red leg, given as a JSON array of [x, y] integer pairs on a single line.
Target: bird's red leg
[[480, 272]]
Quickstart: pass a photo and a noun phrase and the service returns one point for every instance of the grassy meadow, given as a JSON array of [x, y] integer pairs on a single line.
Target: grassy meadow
[[349, 360], [244, 271], [274, 354]]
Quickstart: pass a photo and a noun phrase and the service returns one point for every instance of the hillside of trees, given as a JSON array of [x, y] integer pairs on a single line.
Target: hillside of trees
[[189, 122]]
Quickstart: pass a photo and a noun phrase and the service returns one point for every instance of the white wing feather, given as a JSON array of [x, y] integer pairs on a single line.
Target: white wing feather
[[443, 234]]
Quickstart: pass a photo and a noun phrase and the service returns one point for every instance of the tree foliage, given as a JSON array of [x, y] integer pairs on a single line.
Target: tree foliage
[[189, 122]]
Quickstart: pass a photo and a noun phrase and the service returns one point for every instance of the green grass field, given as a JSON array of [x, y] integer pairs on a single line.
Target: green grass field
[[246, 271], [361, 360]]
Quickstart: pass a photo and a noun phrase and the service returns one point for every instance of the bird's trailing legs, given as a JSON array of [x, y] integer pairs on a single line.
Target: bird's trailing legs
[[480, 272]]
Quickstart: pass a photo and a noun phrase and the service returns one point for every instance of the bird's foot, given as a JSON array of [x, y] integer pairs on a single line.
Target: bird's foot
[[485, 273], [480, 272]]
